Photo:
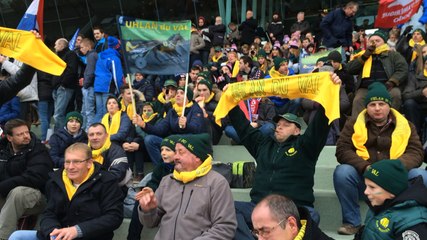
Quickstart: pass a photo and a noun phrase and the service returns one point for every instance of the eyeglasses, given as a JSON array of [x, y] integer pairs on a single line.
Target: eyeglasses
[[75, 162], [266, 231]]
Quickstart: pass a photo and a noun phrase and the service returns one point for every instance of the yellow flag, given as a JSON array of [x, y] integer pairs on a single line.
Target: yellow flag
[[25, 47], [314, 86]]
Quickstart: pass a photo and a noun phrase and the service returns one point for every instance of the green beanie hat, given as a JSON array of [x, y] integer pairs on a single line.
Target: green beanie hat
[[207, 83], [170, 141], [197, 144], [380, 34], [389, 174], [190, 93], [204, 75], [278, 61], [74, 115], [261, 53], [423, 34], [377, 92]]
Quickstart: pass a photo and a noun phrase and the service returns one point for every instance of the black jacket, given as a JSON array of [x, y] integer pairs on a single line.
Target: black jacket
[[218, 34], [96, 207], [68, 78], [59, 141], [13, 84], [312, 231], [247, 29], [29, 168], [44, 86]]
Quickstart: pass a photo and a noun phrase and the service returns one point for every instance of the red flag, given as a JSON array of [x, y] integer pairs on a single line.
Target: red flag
[[392, 13]]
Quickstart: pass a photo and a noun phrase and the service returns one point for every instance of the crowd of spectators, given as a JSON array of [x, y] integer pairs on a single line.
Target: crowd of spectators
[[383, 79]]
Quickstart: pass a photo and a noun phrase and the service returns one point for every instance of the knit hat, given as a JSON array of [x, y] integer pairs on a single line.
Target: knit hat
[[218, 49], [197, 63], [335, 56], [299, 122], [262, 53], [197, 144], [170, 141], [204, 75], [74, 115], [380, 34], [377, 92], [115, 98], [293, 44], [423, 34], [207, 83], [190, 93], [170, 82], [113, 42], [278, 61], [389, 174], [276, 45]]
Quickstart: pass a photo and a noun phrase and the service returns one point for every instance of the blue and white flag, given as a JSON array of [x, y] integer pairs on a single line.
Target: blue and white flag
[[72, 43]]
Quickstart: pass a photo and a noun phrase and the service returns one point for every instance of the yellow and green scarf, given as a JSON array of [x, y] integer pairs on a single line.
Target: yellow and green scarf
[[399, 137], [178, 109], [202, 170], [215, 58], [275, 74], [366, 73], [412, 44], [69, 187]]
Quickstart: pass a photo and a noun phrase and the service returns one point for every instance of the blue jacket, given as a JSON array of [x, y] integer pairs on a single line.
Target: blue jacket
[[108, 64], [59, 141], [337, 29], [169, 125], [9, 110]]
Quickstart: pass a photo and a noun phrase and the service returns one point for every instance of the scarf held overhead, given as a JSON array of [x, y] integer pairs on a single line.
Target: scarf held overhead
[[399, 137], [314, 86], [25, 47]]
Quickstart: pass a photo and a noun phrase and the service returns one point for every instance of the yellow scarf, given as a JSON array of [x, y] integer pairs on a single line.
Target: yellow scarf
[[146, 120], [161, 98], [112, 128], [425, 73], [276, 74], [314, 86], [368, 63], [202, 170], [69, 187], [263, 68], [178, 109], [215, 59], [236, 69], [301, 232], [209, 98], [412, 44], [97, 153], [399, 137], [128, 109], [25, 47]]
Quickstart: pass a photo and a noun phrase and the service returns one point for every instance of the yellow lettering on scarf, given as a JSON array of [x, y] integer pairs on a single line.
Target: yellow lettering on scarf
[[314, 86], [25, 47]]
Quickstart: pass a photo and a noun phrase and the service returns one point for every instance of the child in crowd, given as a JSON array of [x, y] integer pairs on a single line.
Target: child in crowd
[[166, 167], [397, 211]]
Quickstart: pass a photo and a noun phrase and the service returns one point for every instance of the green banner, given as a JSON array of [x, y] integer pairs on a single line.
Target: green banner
[[153, 47]]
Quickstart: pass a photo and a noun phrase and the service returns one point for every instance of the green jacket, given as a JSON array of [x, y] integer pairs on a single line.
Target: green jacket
[[405, 213], [394, 65], [283, 168]]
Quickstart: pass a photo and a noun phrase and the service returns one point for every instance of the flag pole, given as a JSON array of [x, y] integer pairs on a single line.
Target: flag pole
[[131, 94]]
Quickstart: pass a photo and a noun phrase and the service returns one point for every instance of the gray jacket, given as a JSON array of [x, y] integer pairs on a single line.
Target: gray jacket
[[201, 209]]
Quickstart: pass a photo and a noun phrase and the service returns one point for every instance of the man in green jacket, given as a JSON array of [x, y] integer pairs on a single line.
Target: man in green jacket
[[285, 162], [378, 64]]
